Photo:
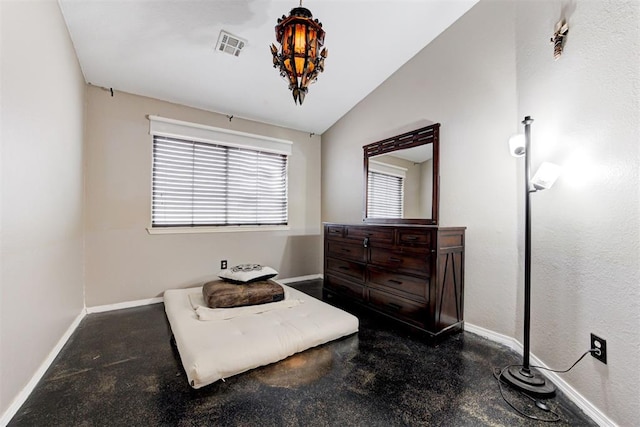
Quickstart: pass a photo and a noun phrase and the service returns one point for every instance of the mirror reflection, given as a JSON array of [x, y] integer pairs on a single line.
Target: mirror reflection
[[401, 178], [400, 183]]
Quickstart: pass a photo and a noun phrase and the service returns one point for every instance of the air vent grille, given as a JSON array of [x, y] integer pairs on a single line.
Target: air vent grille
[[228, 43]]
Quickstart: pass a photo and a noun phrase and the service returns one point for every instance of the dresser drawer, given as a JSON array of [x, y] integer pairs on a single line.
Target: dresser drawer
[[347, 268], [398, 307], [415, 286], [334, 231], [348, 251], [414, 237], [401, 259], [374, 235], [344, 287]]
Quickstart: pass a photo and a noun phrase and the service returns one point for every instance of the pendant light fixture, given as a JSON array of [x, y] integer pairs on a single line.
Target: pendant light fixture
[[300, 58]]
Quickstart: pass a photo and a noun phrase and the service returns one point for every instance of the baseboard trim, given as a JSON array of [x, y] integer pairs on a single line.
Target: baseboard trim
[[505, 340], [587, 407], [22, 397], [123, 305], [141, 302], [300, 278]]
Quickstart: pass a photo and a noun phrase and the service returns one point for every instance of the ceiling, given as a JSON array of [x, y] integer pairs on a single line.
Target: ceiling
[[166, 50]]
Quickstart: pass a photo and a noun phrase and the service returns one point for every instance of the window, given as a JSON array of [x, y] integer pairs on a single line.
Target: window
[[198, 183], [385, 194]]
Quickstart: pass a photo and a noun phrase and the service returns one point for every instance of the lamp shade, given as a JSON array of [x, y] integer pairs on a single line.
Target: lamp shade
[[517, 145], [300, 58], [546, 176]]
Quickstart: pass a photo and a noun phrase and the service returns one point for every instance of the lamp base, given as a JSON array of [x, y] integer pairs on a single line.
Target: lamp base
[[528, 382]]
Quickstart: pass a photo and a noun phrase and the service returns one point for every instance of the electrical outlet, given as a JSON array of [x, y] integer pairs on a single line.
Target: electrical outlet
[[223, 264], [601, 348]]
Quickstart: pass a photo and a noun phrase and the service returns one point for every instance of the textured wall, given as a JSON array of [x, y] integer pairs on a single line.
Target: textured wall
[[41, 261], [465, 79], [124, 262], [586, 229]]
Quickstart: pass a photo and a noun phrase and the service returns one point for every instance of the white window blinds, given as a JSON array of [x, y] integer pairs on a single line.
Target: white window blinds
[[385, 195], [204, 184]]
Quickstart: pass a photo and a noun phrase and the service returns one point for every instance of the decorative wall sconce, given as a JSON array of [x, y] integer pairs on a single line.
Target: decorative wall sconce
[[559, 37], [300, 59]]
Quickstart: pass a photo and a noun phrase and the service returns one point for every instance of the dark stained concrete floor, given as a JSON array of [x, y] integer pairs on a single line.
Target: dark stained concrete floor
[[119, 369]]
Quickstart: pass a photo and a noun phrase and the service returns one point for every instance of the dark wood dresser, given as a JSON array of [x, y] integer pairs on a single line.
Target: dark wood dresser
[[411, 273]]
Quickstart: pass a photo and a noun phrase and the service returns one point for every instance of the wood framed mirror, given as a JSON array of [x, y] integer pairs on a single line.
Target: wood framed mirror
[[401, 178]]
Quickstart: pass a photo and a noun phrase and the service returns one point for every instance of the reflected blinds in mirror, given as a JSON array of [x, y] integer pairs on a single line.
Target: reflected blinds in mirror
[[385, 195]]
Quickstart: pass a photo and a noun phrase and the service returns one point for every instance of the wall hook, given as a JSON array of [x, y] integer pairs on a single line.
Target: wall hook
[[108, 89], [230, 117]]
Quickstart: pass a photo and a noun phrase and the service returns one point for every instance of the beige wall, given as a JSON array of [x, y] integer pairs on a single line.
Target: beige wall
[[41, 260], [465, 80], [124, 262], [586, 229]]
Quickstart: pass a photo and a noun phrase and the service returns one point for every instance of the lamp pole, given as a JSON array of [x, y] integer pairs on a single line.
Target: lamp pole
[[522, 377], [527, 244]]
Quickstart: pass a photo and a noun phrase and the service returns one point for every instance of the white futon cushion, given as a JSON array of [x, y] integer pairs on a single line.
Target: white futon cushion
[[216, 349]]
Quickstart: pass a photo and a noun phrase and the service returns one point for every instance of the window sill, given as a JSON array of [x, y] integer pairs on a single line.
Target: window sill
[[221, 229]]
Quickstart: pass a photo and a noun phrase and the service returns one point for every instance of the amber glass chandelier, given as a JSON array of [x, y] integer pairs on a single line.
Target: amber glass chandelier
[[299, 59]]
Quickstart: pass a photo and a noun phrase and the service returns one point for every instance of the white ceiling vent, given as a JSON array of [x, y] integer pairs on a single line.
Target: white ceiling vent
[[230, 44]]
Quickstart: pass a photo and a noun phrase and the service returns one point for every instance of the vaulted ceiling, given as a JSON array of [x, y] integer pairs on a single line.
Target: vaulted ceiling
[[166, 50]]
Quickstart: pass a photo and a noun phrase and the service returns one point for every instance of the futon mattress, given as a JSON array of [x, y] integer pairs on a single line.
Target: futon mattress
[[217, 349]]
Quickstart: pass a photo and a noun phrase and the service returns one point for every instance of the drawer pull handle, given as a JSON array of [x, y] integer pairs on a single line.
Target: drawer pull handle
[[396, 282], [365, 243], [392, 259], [411, 238], [394, 306], [342, 267]]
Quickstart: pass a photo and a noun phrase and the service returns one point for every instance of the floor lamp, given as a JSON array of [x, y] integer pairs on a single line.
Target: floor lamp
[[522, 377]]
